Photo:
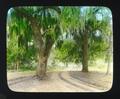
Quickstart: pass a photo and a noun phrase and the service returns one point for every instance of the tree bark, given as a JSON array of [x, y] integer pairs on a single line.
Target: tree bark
[[40, 46], [42, 66], [85, 53], [42, 62], [44, 52]]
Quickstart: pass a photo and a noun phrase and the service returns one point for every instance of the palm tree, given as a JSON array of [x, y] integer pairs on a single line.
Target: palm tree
[[83, 24], [43, 24]]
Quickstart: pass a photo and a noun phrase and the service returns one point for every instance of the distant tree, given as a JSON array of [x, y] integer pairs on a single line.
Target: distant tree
[[88, 31]]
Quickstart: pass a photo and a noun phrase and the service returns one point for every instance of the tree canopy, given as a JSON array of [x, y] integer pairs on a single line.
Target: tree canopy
[[80, 34]]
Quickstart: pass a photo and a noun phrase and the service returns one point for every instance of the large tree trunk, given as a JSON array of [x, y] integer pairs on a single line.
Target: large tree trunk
[[85, 53], [42, 61], [43, 55], [42, 66], [40, 46]]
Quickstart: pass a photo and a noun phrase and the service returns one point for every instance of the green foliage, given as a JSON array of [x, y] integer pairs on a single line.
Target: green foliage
[[67, 52], [26, 67], [21, 33], [56, 22], [76, 21]]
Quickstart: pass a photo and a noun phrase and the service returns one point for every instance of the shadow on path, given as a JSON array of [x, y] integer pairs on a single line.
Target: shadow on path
[[20, 79], [71, 83]]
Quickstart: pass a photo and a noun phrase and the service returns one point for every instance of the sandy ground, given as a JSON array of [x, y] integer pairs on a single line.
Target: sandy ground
[[64, 81]]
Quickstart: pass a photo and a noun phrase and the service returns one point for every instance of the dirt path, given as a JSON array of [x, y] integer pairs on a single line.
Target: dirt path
[[72, 81]]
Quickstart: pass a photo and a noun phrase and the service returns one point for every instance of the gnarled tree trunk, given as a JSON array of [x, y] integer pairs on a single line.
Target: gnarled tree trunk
[[44, 47], [42, 62], [42, 65], [43, 55]]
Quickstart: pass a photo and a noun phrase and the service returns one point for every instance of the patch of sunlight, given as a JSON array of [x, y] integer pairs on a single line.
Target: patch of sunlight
[[100, 66]]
